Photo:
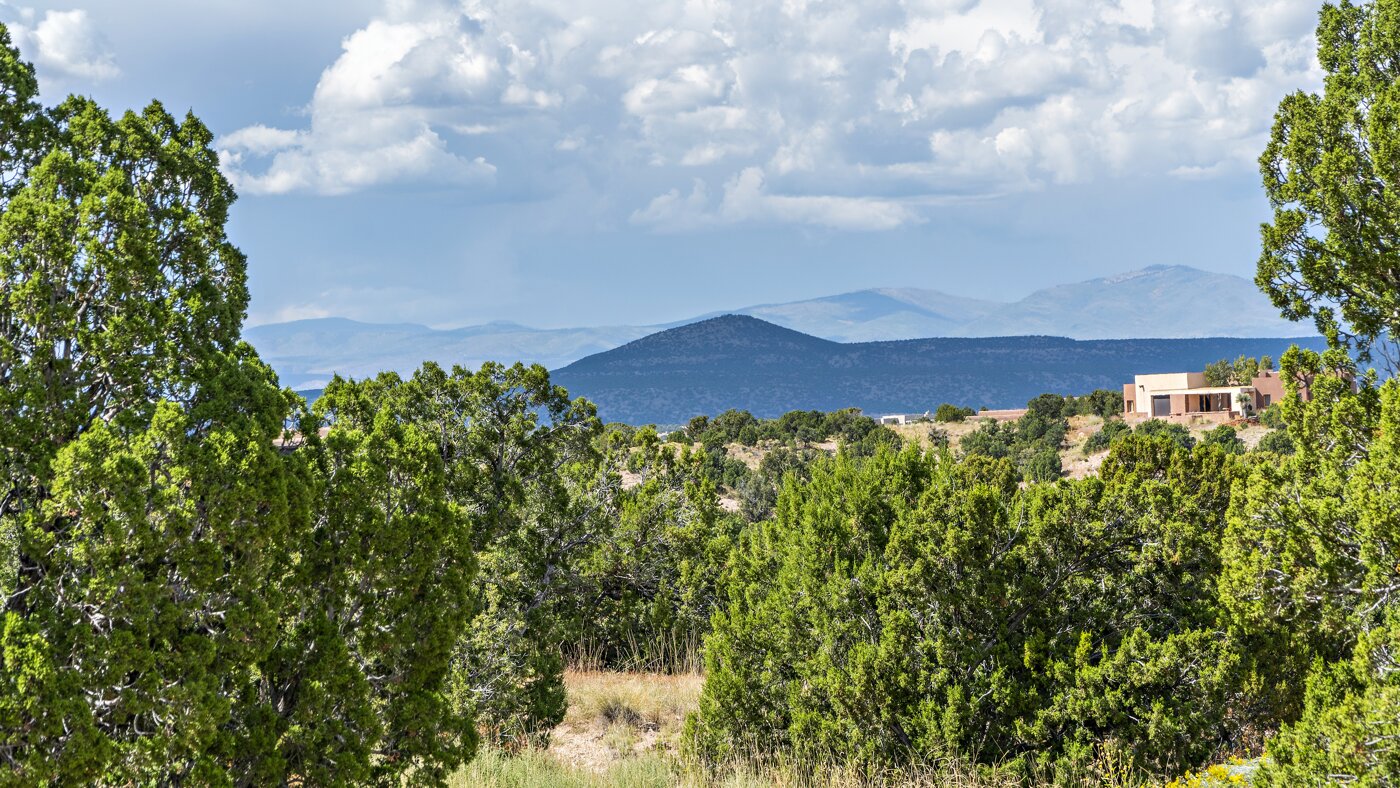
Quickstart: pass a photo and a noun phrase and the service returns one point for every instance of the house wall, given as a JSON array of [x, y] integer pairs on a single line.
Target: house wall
[[1143, 386], [1270, 388], [1172, 380], [1179, 403]]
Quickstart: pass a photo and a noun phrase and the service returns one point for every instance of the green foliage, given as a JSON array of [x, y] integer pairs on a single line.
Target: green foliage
[[1240, 372], [191, 597], [1219, 373], [646, 587], [907, 607], [521, 463], [857, 432], [1032, 441], [1159, 428], [1311, 577], [951, 413], [1112, 430], [1047, 406], [1351, 719], [1104, 403], [145, 516], [1225, 437], [377, 600], [938, 438], [724, 470], [138, 602], [1330, 173], [1275, 442], [1272, 417], [759, 492]]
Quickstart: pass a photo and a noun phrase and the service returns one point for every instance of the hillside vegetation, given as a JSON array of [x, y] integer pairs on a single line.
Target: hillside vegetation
[[746, 364]]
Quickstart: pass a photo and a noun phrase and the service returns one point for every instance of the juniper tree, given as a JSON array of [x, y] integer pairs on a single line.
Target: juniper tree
[[1331, 172], [144, 511]]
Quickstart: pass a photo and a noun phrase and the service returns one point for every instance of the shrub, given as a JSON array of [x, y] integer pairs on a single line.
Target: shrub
[[938, 438], [1111, 431], [1174, 432], [906, 607], [1031, 440], [951, 413], [1225, 437], [1047, 406], [1040, 464], [1104, 403], [1276, 442]]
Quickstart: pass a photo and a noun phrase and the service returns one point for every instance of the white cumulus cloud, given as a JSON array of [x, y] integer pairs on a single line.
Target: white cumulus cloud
[[851, 116], [62, 44]]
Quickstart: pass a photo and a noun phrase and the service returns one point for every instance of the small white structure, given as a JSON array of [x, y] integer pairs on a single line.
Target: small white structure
[[904, 418]]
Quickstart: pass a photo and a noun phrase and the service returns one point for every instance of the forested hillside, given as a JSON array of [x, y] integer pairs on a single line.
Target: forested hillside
[[206, 580], [747, 364]]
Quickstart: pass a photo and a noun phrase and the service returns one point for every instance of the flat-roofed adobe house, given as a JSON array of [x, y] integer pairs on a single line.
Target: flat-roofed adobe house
[[1185, 397], [1268, 388]]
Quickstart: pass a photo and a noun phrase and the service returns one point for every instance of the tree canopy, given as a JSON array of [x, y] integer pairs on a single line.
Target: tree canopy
[[1331, 172]]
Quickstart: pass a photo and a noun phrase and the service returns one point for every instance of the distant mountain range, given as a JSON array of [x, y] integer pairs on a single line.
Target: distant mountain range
[[306, 353], [737, 361], [1160, 301]]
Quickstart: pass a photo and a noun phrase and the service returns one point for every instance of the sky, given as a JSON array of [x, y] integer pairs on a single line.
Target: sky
[[596, 162]]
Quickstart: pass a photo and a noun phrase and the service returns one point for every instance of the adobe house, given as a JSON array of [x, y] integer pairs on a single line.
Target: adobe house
[[1268, 384], [1185, 397]]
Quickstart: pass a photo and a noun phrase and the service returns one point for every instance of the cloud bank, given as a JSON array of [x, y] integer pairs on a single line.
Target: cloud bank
[[679, 115]]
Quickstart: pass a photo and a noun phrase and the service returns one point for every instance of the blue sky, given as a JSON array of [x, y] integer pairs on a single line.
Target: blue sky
[[576, 162]]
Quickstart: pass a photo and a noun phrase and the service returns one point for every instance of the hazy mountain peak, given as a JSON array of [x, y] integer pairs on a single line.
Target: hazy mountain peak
[[729, 332], [741, 362], [1155, 301]]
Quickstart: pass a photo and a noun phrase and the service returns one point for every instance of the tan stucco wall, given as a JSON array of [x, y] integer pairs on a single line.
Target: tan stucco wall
[[1171, 380]]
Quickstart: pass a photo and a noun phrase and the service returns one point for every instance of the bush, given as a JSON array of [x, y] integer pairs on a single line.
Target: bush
[[1040, 464], [1030, 440], [938, 438], [1351, 711], [1225, 437], [906, 607], [1111, 431], [1276, 442], [1047, 406], [1174, 432], [1104, 403], [952, 413]]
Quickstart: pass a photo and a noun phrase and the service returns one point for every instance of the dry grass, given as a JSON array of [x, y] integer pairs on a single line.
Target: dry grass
[[644, 699], [918, 433], [493, 769], [615, 716], [1075, 463]]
